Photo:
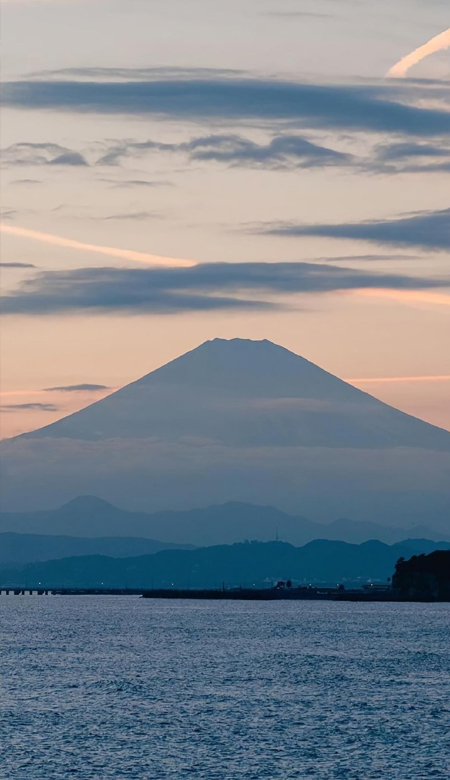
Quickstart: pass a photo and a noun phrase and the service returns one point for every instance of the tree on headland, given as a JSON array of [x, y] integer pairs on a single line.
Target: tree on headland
[[424, 576]]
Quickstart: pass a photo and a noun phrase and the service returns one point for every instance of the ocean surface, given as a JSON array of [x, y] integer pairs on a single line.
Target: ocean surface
[[120, 687]]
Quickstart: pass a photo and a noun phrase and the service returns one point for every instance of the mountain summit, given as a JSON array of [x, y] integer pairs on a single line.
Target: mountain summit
[[246, 393], [242, 421]]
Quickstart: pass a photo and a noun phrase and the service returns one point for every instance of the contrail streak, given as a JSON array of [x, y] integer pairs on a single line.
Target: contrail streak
[[439, 43], [407, 296], [383, 379], [124, 254]]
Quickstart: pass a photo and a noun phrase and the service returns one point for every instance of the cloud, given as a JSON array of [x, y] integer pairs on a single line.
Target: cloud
[[8, 214], [137, 183], [281, 151], [438, 43], [68, 158], [367, 258], [395, 379], [208, 287], [296, 15], [83, 388], [124, 254], [424, 230], [140, 216], [410, 297], [29, 407], [17, 265], [443, 167], [166, 73], [213, 96], [402, 151], [410, 157], [25, 182], [42, 154]]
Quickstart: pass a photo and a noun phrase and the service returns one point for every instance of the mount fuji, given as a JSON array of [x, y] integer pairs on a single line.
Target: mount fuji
[[244, 421]]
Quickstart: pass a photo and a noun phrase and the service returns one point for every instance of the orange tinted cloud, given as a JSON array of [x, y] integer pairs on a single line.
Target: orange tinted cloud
[[123, 254], [383, 379], [408, 296], [439, 43]]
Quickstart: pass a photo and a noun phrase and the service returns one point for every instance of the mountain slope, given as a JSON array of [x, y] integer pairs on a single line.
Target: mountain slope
[[19, 549], [246, 393]]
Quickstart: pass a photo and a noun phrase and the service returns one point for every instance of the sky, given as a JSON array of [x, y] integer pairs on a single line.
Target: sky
[[174, 172]]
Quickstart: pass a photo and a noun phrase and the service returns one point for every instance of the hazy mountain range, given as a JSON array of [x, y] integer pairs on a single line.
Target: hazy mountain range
[[19, 549], [239, 421], [94, 519], [246, 564]]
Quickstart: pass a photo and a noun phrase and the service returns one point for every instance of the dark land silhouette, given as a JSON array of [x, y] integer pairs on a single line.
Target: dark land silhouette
[[424, 576], [251, 564]]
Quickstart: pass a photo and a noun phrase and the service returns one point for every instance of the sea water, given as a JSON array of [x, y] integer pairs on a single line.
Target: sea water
[[121, 687]]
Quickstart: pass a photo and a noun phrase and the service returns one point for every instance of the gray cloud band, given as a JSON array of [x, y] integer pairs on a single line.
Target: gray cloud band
[[42, 154], [82, 388], [361, 107], [283, 151], [206, 287], [424, 230], [29, 407]]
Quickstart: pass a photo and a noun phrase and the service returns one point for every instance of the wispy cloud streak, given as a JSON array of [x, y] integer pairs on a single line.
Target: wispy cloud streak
[[82, 388], [409, 296], [123, 254], [29, 407], [388, 379], [438, 43], [427, 230]]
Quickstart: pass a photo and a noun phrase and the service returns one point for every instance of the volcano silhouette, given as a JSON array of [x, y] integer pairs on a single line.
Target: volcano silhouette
[[244, 421], [247, 393]]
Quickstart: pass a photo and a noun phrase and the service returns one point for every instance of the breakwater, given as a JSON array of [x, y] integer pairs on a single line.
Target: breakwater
[[276, 594]]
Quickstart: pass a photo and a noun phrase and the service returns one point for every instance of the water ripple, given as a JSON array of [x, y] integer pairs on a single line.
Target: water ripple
[[116, 687]]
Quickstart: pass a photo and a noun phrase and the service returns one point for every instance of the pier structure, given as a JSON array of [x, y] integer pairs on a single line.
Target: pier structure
[[26, 592], [21, 591]]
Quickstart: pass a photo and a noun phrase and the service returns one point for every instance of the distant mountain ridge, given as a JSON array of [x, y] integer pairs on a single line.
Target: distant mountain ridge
[[19, 549], [245, 564], [91, 517]]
